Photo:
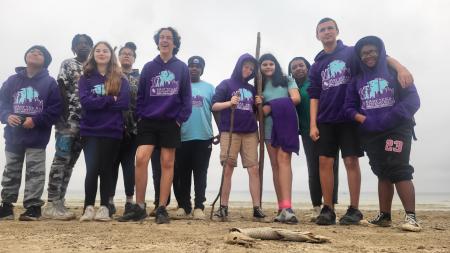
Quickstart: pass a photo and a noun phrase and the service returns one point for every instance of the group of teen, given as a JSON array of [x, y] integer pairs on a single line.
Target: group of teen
[[352, 99]]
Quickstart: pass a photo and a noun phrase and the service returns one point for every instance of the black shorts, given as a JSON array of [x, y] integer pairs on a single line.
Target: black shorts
[[389, 152], [343, 136], [160, 133]]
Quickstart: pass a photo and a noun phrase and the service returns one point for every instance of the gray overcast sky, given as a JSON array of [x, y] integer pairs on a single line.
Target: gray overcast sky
[[415, 32]]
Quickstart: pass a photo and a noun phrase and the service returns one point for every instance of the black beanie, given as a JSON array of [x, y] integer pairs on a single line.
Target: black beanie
[[47, 56]]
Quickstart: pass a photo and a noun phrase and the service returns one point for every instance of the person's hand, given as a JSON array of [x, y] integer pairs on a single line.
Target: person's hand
[[314, 133], [14, 120], [235, 100], [405, 77], [28, 123], [360, 118], [259, 100], [267, 109], [216, 139], [115, 98]]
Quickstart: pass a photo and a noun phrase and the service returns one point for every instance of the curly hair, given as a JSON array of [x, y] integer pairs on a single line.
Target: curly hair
[[176, 38]]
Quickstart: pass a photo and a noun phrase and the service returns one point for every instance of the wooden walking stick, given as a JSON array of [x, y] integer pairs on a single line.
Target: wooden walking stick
[[258, 84], [219, 195]]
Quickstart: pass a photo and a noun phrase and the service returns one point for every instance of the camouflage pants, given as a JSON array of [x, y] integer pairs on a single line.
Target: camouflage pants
[[68, 148], [34, 177]]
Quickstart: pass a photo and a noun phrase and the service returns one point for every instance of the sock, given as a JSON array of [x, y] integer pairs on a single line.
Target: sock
[[284, 204], [111, 200], [411, 213], [141, 205], [130, 199]]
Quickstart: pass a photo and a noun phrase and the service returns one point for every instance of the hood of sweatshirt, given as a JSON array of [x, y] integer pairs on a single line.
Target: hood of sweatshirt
[[237, 72]]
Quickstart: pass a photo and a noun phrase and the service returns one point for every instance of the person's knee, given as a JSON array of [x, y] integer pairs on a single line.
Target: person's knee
[[253, 171], [351, 163]]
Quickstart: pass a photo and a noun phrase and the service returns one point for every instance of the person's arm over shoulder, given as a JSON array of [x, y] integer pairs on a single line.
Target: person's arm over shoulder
[[52, 109], [404, 77], [90, 101]]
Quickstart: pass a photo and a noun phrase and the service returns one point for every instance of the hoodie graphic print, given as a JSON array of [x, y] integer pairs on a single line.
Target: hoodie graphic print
[[376, 93], [164, 84], [26, 101], [244, 115]]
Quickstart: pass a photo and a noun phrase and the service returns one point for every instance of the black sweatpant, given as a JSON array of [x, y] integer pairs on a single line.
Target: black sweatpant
[[312, 161], [100, 154], [192, 158]]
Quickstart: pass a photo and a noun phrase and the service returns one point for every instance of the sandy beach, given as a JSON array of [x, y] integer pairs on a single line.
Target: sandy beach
[[208, 236]]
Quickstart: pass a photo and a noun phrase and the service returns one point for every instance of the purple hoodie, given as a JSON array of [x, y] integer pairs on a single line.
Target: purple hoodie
[[101, 116], [244, 115], [37, 97], [377, 94], [285, 125], [329, 76], [164, 91]]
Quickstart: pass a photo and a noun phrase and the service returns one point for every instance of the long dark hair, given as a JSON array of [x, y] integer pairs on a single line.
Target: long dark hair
[[278, 78]]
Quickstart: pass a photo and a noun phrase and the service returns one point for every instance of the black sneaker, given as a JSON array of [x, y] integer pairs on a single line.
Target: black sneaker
[[382, 220], [352, 217], [222, 213], [326, 217], [162, 217], [128, 208], [135, 214], [33, 213], [153, 212], [112, 209], [6, 211], [258, 213]]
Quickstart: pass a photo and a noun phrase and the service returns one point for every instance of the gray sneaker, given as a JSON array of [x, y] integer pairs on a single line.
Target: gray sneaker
[[56, 210], [286, 216]]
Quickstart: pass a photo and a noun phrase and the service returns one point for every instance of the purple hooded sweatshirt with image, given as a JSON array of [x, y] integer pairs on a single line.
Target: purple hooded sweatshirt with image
[[101, 115], [37, 97], [164, 91], [329, 76], [376, 93], [244, 115]]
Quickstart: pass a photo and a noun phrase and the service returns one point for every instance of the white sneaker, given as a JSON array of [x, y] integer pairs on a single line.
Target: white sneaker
[[315, 212], [89, 214], [62, 213], [411, 224], [198, 214], [181, 214], [102, 214]]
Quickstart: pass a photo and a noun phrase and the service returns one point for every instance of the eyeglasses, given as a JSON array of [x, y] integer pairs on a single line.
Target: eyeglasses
[[127, 54]]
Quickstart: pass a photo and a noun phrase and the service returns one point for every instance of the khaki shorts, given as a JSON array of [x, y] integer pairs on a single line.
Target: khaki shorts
[[244, 143]]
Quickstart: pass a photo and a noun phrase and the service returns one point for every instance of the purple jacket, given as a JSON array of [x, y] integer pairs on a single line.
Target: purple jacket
[[101, 116], [329, 76], [164, 91], [285, 125], [376, 93], [37, 97], [244, 115]]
